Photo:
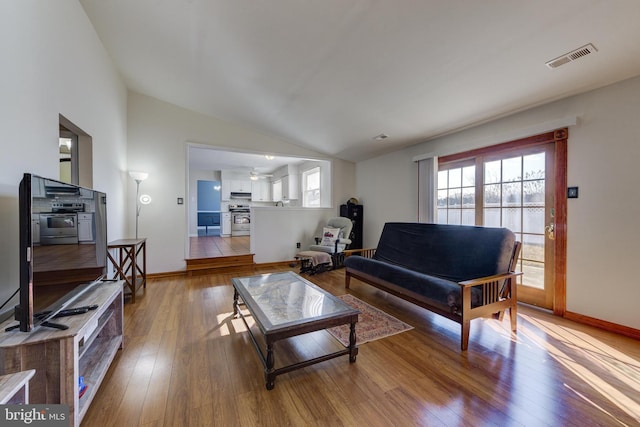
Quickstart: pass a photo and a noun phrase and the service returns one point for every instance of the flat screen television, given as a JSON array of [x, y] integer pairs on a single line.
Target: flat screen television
[[63, 247]]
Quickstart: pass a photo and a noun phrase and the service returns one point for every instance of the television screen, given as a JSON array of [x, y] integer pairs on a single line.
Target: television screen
[[63, 246]]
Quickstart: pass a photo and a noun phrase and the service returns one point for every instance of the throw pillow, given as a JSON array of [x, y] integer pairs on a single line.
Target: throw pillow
[[329, 236]]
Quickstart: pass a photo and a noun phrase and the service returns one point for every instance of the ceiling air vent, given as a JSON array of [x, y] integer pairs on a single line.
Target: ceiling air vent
[[572, 56]]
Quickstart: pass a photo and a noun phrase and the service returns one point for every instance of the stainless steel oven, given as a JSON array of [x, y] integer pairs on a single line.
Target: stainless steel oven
[[58, 228], [240, 220]]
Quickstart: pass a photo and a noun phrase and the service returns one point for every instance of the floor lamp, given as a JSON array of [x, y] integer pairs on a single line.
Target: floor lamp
[[138, 177]]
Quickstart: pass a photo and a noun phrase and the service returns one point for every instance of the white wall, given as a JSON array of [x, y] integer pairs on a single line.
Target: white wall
[[157, 136], [603, 154], [275, 231], [53, 63]]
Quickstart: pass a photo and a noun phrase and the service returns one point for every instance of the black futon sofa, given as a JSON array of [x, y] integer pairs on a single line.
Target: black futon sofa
[[460, 272]]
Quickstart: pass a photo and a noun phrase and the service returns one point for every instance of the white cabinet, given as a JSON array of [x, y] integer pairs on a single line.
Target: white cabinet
[[35, 228], [225, 224], [85, 193], [290, 187], [240, 186], [85, 227], [261, 191], [37, 187], [234, 186]]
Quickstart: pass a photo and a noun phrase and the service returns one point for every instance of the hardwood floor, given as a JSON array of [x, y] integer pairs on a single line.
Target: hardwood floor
[[216, 246], [188, 362]]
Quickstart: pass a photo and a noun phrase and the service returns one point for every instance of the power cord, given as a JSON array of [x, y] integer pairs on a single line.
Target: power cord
[[9, 299]]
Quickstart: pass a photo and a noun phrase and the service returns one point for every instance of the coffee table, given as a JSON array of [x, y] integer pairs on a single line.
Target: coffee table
[[285, 305]]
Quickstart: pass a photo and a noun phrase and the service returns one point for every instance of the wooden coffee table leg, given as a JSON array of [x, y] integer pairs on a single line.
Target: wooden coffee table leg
[[268, 371], [235, 302], [353, 350]]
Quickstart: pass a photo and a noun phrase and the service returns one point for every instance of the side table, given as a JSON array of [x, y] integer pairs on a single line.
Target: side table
[[126, 263]]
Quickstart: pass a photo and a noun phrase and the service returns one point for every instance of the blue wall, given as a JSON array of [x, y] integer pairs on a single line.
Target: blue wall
[[208, 196]]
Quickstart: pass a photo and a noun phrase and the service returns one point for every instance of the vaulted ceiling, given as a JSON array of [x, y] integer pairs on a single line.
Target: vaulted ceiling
[[330, 75]]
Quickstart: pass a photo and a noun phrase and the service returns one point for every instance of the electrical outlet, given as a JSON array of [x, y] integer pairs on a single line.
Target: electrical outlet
[[298, 245]]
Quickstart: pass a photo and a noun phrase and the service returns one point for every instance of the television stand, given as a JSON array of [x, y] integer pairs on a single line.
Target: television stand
[[55, 325], [87, 348]]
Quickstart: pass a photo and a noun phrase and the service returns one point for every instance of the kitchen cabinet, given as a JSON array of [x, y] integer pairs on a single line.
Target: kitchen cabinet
[[85, 227], [261, 191], [35, 228], [290, 187], [225, 224], [85, 193], [234, 186], [37, 188]]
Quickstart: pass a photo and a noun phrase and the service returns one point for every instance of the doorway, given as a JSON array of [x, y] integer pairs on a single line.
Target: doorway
[[518, 185]]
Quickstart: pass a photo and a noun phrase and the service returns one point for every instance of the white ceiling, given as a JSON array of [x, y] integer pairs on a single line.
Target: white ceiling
[[330, 75], [202, 158]]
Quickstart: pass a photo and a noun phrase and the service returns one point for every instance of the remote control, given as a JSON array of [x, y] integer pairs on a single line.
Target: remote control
[[71, 312]]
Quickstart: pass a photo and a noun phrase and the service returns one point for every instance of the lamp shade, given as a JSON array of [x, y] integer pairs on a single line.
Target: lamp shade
[[138, 176]]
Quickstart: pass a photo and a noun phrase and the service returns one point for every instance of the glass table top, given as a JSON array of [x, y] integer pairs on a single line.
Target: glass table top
[[285, 299]]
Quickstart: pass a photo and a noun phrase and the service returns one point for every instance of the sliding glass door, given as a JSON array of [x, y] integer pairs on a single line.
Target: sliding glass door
[[512, 187]]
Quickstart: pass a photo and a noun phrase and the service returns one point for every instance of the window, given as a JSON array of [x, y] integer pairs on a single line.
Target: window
[[456, 195], [311, 188]]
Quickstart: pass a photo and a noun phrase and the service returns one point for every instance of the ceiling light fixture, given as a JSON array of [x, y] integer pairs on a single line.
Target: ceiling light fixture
[[381, 137], [269, 157]]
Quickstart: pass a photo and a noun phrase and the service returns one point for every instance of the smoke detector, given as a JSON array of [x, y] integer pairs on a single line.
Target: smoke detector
[[572, 56]]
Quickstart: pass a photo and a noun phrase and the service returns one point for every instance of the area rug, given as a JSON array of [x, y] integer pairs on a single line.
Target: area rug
[[373, 323]]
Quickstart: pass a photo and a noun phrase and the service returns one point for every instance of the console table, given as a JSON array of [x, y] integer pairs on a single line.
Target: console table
[[14, 388], [59, 357], [126, 263]]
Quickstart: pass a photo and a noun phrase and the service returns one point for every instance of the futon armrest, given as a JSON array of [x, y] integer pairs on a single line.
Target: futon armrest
[[367, 253], [500, 287], [489, 279]]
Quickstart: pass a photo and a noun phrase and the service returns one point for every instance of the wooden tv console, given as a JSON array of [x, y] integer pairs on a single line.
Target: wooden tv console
[[59, 357]]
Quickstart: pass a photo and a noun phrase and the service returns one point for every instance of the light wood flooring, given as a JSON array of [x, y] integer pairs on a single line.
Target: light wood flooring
[[188, 362], [217, 246]]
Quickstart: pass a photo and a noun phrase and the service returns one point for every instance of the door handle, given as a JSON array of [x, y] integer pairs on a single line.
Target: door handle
[[551, 232]]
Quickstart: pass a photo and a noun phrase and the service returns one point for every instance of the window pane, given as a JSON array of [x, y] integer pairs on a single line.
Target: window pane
[[511, 219], [512, 169], [533, 274], [469, 176], [455, 177], [468, 216], [454, 216], [442, 216], [533, 220], [469, 197], [443, 181], [455, 198], [492, 217], [533, 166], [492, 195], [533, 247], [492, 172], [313, 181], [442, 198], [533, 192], [511, 194]]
